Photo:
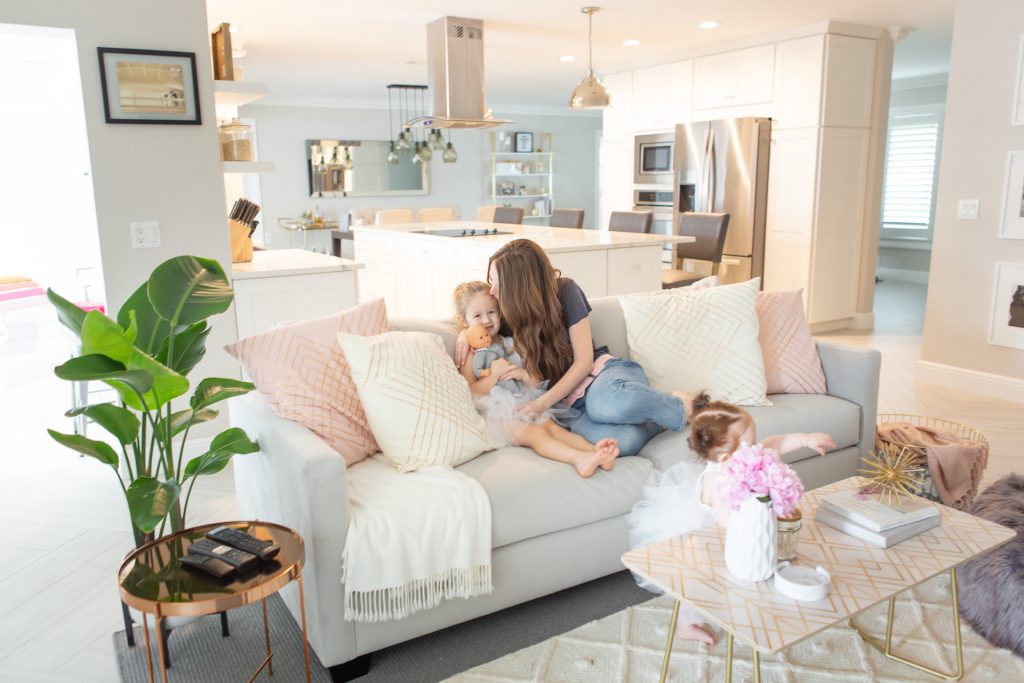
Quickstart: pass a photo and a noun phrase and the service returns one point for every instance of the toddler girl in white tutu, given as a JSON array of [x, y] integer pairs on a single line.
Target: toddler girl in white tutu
[[501, 388], [684, 498]]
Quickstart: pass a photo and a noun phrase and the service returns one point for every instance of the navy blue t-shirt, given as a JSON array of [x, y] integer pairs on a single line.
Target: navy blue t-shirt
[[575, 308]]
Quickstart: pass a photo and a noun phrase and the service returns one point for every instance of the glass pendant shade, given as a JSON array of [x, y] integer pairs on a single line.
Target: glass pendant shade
[[436, 141], [417, 160], [392, 155], [450, 156], [403, 141], [590, 93], [425, 152], [347, 164]]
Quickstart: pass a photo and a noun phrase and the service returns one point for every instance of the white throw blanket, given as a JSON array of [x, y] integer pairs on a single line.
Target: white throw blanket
[[414, 540]]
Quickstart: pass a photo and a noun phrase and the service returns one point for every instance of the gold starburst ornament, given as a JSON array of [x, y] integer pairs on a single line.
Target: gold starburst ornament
[[892, 477]]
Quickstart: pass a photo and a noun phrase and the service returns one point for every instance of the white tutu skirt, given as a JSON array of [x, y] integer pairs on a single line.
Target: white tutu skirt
[[500, 409], [669, 507]]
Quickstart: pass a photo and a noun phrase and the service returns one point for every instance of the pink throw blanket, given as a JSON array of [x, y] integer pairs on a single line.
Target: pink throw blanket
[[955, 464]]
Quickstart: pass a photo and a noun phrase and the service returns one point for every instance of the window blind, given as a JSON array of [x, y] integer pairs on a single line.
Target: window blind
[[910, 173]]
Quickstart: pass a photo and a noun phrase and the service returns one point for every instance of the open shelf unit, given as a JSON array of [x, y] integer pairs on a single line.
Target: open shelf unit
[[529, 176]]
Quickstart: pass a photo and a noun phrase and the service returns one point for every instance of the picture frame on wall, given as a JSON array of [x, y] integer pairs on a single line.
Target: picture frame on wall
[[1018, 94], [1007, 324], [149, 86], [1011, 223], [524, 142]]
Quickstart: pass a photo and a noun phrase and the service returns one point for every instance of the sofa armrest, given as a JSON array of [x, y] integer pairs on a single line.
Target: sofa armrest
[[297, 480], [852, 373]]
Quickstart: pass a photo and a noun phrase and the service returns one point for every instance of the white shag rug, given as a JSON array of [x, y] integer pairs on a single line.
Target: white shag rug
[[628, 646]]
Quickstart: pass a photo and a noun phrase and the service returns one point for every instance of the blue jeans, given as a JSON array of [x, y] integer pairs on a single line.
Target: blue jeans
[[620, 404]]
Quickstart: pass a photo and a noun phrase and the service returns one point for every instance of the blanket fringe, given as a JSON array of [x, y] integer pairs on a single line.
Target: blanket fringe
[[398, 602]]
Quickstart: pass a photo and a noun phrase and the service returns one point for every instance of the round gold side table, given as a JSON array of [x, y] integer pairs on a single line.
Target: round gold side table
[[152, 581]]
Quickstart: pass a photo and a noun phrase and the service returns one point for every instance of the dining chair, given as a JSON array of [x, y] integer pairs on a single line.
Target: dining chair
[[393, 216], [630, 221], [485, 214], [709, 230], [508, 214], [436, 215], [566, 218]]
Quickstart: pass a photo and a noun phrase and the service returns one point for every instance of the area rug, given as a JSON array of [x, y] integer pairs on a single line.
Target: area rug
[[629, 645]]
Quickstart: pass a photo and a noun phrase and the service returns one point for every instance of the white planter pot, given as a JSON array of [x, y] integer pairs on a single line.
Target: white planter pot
[[750, 541]]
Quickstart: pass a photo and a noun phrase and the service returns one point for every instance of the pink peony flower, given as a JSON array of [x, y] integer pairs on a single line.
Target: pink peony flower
[[756, 470]]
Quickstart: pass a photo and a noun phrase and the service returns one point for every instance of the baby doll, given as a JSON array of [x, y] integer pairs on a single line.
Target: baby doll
[[485, 352]]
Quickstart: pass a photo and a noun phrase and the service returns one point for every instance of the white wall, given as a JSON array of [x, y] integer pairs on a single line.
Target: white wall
[[167, 173], [977, 138], [465, 185]]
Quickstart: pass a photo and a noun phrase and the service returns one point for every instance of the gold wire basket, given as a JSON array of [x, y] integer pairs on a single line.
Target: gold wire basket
[[892, 450]]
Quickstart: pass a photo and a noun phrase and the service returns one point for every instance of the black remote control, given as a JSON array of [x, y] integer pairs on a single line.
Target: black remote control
[[236, 538], [210, 565], [239, 559]]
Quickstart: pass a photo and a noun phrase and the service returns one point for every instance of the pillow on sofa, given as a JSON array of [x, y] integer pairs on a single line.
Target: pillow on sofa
[[418, 405], [791, 362], [306, 378], [695, 339]]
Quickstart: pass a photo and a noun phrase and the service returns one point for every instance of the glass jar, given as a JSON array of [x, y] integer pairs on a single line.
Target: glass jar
[[235, 141], [789, 533]]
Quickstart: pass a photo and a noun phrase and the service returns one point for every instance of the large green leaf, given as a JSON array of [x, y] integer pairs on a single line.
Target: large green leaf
[[152, 329], [95, 366], [189, 348], [180, 419], [102, 335], [187, 289], [149, 500], [119, 421], [94, 449], [216, 389], [70, 315], [225, 445]]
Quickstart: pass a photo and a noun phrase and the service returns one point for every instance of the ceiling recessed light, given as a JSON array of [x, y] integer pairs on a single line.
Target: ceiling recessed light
[[632, 42], [567, 58], [707, 24]]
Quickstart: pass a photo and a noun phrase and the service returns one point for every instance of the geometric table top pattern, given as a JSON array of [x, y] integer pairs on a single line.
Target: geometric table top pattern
[[692, 569]]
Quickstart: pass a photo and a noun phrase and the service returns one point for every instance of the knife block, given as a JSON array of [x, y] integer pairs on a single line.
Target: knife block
[[241, 244]]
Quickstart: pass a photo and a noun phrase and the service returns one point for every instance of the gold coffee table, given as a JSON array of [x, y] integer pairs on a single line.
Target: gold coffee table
[[152, 581], [692, 569]]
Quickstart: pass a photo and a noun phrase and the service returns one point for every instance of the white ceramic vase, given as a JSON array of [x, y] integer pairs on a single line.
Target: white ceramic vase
[[750, 541]]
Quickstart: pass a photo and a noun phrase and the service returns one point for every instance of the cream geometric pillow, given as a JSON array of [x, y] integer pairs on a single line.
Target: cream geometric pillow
[[305, 377], [694, 339], [419, 407], [791, 361]]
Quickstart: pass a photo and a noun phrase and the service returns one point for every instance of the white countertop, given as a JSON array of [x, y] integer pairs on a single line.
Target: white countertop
[[279, 262], [552, 240]]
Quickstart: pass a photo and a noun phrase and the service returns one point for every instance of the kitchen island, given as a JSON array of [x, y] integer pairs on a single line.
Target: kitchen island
[[415, 267]]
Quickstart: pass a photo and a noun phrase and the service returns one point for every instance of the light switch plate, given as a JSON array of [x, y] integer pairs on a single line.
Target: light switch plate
[[145, 234], [967, 209]]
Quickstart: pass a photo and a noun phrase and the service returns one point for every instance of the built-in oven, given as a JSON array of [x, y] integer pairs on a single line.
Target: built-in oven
[[660, 204], [653, 159]]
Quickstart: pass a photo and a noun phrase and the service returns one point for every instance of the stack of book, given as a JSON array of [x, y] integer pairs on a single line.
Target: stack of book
[[866, 517]]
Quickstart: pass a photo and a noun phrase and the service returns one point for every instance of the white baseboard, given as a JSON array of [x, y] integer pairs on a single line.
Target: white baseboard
[[831, 325], [862, 321], [918, 276], [971, 381]]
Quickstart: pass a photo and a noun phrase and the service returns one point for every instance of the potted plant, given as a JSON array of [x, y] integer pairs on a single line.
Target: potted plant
[[146, 355]]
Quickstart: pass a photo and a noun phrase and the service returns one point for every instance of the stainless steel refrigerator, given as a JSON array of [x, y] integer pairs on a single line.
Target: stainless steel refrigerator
[[722, 166]]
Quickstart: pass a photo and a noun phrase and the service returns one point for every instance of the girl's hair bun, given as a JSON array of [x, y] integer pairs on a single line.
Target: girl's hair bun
[[700, 402]]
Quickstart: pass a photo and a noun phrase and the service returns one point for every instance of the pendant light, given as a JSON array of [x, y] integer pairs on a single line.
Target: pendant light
[[450, 156], [347, 164], [590, 93]]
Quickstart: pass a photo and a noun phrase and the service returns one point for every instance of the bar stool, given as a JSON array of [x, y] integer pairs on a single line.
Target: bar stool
[[566, 218]]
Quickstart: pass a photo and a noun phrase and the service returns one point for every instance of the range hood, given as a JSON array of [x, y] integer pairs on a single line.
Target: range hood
[[455, 65]]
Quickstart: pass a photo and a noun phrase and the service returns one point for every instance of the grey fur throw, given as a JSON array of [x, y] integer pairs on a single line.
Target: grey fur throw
[[992, 584]]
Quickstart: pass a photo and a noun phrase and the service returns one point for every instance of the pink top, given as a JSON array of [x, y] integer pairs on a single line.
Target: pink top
[[581, 388]]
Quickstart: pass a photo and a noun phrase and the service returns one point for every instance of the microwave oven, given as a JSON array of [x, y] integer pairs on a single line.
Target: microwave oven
[[653, 159]]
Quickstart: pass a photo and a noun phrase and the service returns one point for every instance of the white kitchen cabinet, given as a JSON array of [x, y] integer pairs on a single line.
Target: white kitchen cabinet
[[617, 118], [789, 224], [733, 78], [849, 81], [798, 73], [661, 96], [615, 179]]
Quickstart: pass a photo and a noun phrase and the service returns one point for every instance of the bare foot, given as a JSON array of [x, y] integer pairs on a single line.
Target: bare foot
[[608, 449], [694, 632]]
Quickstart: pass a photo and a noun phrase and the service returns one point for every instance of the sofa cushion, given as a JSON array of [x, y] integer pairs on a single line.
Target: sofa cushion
[[419, 407], [531, 496], [304, 374], [699, 339], [791, 362], [788, 413]]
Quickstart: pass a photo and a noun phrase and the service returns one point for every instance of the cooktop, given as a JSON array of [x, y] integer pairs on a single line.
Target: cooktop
[[463, 232]]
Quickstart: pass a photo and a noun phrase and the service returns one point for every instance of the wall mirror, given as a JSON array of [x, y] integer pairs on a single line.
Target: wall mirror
[[360, 168]]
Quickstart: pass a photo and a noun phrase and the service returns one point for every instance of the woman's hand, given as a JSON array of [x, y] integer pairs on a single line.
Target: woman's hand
[[500, 366], [532, 410], [819, 441], [515, 373], [461, 349]]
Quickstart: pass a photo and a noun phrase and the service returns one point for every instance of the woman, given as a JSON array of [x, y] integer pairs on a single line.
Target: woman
[[548, 317]]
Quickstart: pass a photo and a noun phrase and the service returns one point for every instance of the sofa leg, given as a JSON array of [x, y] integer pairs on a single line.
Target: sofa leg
[[354, 668]]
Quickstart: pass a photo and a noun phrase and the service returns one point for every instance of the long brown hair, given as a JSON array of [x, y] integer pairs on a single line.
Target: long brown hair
[[528, 292], [710, 427]]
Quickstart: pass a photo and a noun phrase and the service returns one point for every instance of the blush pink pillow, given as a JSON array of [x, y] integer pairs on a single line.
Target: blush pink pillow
[[303, 373], [791, 362]]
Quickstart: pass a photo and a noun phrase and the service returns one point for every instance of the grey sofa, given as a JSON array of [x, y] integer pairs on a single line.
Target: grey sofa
[[551, 528]]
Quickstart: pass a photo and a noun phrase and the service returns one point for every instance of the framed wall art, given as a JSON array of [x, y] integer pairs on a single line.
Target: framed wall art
[[149, 86], [1007, 324], [1011, 223], [524, 142], [1018, 91]]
